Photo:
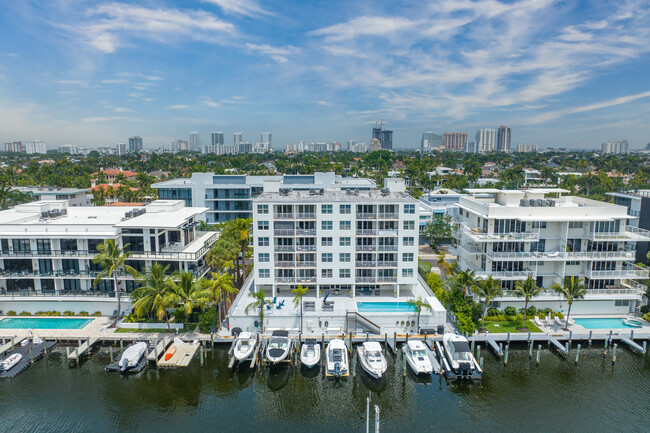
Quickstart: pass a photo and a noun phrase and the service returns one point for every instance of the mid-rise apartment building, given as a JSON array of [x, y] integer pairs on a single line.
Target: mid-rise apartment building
[[454, 140], [229, 197], [511, 234], [430, 142], [616, 147], [328, 239]]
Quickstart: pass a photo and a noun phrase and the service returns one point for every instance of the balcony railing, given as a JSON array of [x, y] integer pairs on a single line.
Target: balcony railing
[[629, 233], [284, 248], [306, 232], [387, 263], [305, 279], [388, 232], [366, 231], [306, 264], [306, 215], [365, 279], [479, 236], [284, 232], [560, 256], [387, 279], [285, 279], [387, 248], [366, 247], [364, 264], [389, 215], [283, 216], [306, 248], [627, 272], [366, 216], [285, 264]]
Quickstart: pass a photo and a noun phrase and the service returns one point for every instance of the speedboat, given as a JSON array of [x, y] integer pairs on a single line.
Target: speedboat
[[310, 353], [337, 359], [10, 362], [244, 346], [417, 357], [279, 347], [372, 359], [132, 356], [459, 354]]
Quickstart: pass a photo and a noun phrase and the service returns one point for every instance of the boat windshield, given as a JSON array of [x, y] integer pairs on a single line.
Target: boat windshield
[[419, 353], [373, 357], [337, 355], [278, 343]]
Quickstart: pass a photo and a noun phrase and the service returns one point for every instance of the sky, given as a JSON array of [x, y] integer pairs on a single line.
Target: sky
[[92, 73]]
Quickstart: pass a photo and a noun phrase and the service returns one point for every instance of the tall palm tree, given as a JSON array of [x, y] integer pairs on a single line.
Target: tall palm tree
[[242, 227], [299, 292], [571, 289], [220, 288], [112, 259], [527, 289], [260, 302], [189, 292], [488, 290], [466, 280], [156, 293], [419, 304]]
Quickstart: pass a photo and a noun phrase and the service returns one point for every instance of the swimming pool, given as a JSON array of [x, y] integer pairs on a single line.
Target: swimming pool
[[385, 307], [602, 323], [43, 323]]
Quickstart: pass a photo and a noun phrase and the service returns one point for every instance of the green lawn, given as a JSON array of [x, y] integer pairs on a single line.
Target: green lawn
[[510, 326]]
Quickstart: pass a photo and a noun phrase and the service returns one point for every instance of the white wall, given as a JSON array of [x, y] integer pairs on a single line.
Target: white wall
[[34, 304]]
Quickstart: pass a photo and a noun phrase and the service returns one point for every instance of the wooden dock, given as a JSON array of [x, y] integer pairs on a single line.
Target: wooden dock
[[182, 357], [159, 349], [10, 345], [82, 349], [31, 353]]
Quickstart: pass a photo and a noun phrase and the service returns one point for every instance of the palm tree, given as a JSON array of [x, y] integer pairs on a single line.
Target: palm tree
[[259, 302], [156, 293], [488, 290], [220, 288], [527, 289], [419, 304], [112, 259], [572, 289], [243, 233], [466, 280], [299, 292], [190, 293]]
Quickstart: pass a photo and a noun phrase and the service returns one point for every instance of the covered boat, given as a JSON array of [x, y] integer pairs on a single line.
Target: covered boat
[[417, 357], [337, 358], [279, 346], [10, 362], [244, 346], [131, 360], [459, 355], [310, 353], [372, 359]]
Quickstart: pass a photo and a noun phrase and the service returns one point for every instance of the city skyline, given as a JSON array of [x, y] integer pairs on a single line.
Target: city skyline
[[97, 73]]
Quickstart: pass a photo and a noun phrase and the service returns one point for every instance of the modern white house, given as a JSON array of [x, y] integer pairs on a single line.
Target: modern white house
[[74, 196], [511, 234], [355, 251], [47, 250]]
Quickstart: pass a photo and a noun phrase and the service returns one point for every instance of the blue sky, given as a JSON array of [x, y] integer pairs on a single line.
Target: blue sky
[[90, 73]]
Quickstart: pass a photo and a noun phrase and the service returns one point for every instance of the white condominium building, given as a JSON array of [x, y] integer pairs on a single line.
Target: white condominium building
[[47, 247], [511, 234], [329, 239]]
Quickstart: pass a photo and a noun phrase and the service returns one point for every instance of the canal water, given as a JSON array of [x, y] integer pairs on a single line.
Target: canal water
[[556, 396]]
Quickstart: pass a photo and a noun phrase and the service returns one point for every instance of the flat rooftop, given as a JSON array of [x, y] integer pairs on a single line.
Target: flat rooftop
[[361, 197], [49, 190]]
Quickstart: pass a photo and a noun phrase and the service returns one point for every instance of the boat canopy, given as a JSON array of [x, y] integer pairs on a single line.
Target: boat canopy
[[372, 346], [280, 333], [416, 345], [461, 346], [245, 335]]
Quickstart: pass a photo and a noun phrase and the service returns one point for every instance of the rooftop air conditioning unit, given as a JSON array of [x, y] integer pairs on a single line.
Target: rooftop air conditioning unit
[[533, 202], [524, 203], [322, 191], [540, 202], [550, 203]]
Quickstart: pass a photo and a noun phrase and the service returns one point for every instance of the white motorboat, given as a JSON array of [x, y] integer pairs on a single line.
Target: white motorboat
[[310, 353], [244, 346], [132, 356], [279, 347], [10, 362], [417, 357], [372, 359], [459, 354], [337, 359]]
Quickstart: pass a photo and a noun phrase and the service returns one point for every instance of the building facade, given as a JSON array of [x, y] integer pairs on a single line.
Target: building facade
[[14, 146], [35, 146], [486, 140], [454, 140], [503, 139], [74, 196], [135, 144], [615, 147], [195, 141], [430, 142], [526, 148], [637, 203], [511, 234]]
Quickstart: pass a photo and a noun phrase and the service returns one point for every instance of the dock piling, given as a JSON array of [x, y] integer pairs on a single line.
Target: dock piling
[[570, 336], [614, 354], [407, 337], [590, 335], [529, 334], [606, 347], [354, 364], [577, 354], [31, 354], [121, 344], [632, 334], [394, 339], [505, 356], [645, 347], [110, 351], [530, 350], [473, 346], [478, 351], [367, 336], [201, 355], [44, 346], [566, 349], [404, 363], [539, 352], [508, 339]]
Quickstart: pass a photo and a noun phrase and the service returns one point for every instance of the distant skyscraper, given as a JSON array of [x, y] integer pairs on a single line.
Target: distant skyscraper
[[526, 148], [267, 138], [35, 146], [485, 140], [647, 147], [14, 146], [454, 140], [217, 139], [135, 144], [195, 141], [430, 141], [121, 148], [471, 147], [384, 136], [236, 139], [375, 145], [615, 147], [179, 146], [503, 139]]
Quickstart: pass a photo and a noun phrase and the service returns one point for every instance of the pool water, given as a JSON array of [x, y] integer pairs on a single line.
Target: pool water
[[43, 323], [602, 323], [385, 307]]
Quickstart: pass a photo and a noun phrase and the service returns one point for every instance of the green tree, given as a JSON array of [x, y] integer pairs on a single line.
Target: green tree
[[466, 280], [571, 289], [419, 304], [189, 293], [221, 288], [488, 290], [527, 289], [155, 295], [260, 303], [298, 293], [437, 230], [112, 259], [242, 229]]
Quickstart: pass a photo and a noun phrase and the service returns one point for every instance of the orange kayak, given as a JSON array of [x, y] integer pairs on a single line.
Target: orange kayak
[[170, 353]]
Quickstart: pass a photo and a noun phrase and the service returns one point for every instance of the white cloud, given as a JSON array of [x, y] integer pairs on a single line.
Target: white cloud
[[208, 102], [179, 106], [71, 82], [122, 110], [279, 54], [241, 7], [366, 26]]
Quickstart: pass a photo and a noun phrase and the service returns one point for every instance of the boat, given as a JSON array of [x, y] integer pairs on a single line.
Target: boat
[[133, 359], [417, 357], [372, 359], [337, 358], [310, 353], [172, 350], [459, 355], [10, 362], [244, 346], [279, 346]]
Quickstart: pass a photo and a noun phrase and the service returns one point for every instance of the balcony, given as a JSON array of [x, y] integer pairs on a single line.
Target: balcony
[[306, 215], [366, 216], [478, 236], [629, 233], [372, 232], [366, 248], [388, 232], [283, 216], [387, 263], [387, 248], [389, 215], [285, 279], [285, 264], [365, 279], [627, 272], [306, 264], [306, 248], [305, 279], [306, 232], [288, 248], [363, 264], [623, 255], [387, 279], [284, 232]]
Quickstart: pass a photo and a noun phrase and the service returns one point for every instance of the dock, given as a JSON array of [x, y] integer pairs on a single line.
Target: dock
[[82, 349], [159, 349], [562, 350], [182, 357], [433, 359], [497, 348], [37, 352], [10, 345], [633, 345]]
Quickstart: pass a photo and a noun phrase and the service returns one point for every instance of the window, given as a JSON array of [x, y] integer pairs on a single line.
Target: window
[[326, 208], [263, 257], [622, 303], [263, 242], [345, 209], [407, 257], [326, 225], [539, 246], [406, 273], [409, 208], [43, 246], [21, 245], [344, 273], [345, 242], [326, 242], [539, 224], [409, 225], [262, 208], [262, 225], [573, 263], [576, 224], [326, 257], [345, 225], [344, 257], [326, 273], [265, 273], [409, 241]]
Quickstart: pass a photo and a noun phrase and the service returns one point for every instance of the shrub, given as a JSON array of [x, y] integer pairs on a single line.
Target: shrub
[[546, 311], [206, 318], [97, 314], [558, 315], [41, 313], [11, 313], [83, 313], [646, 317], [25, 313], [492, 312], [519, 316], [68, 313], [465, 323], [531, 310], [510, 311], [179, 315], [645, 309]]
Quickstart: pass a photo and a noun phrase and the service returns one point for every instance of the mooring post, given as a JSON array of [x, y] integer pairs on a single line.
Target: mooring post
[[385, 340], [367, 414], [539, 352], [590, 335], [350, 339], [300, 338], [473, 346], [566, 349], [322, 340], [110, 351], [529, 334], [500, 349], [121, 344], [614, 354], [606, 347], [645, 343], [508, 339], [632, 334], [201, 355], [610, 334], [478, 351], [31, 355], [530, 350], [395, 340], [67, 352], [44, 346], [404, 363], [407, 337], [481, 362], [354, 364], [577, 354], [570, 336], [367, 335], [505, 356]]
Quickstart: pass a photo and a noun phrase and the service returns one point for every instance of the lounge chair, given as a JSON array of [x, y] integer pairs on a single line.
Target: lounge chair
[[537, 321], [548, 321], [559, 322], [571, 322], [280, 305]]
